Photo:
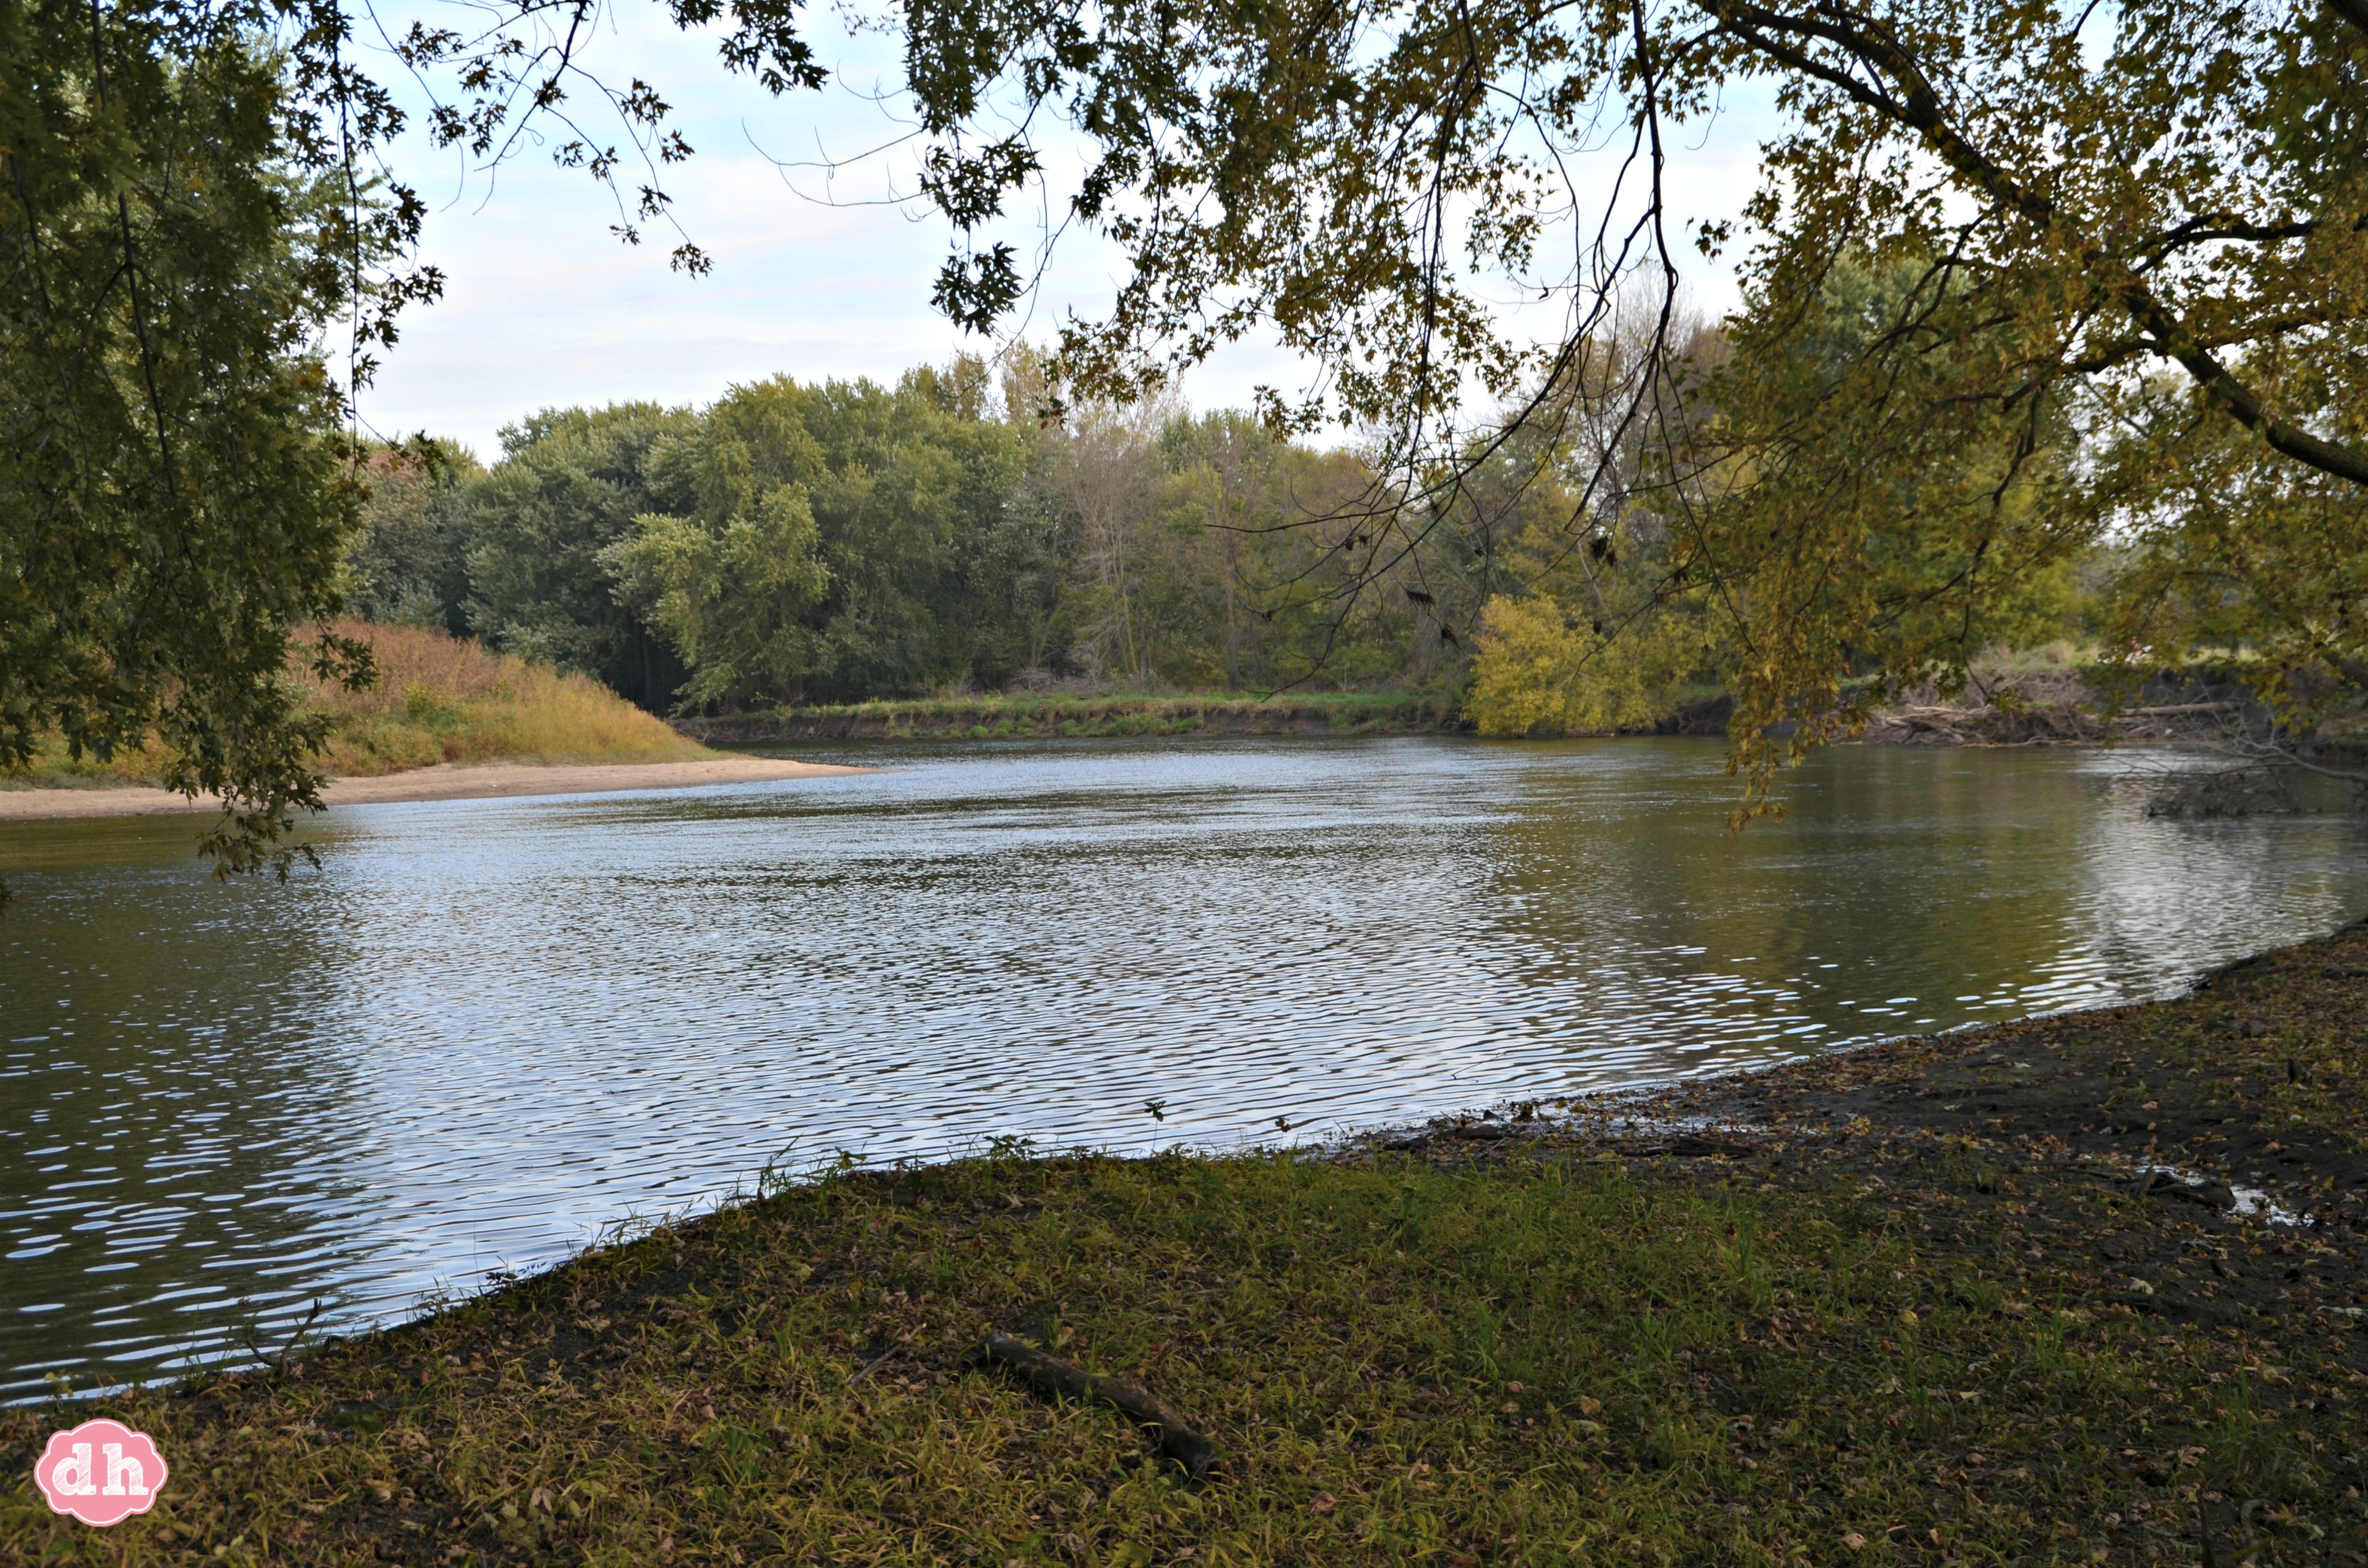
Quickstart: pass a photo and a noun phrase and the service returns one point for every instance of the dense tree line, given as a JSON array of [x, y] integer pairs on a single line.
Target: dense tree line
[[832, 542]]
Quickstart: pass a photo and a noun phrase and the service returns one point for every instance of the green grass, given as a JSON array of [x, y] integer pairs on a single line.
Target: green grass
[[1541, 1363], [1016, 718]]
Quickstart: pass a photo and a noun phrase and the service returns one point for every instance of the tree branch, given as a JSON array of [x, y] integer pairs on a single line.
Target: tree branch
[[131, 271], [1917, 106], [2204, 228]]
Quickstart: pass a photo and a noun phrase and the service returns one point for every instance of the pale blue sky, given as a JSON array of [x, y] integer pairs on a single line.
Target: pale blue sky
[[544, 308]]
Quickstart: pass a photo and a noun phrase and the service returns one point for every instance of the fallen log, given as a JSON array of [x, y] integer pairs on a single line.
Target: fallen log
[[2179, 709], [1178, 1441], [2206, 1194], [1691, 1147]]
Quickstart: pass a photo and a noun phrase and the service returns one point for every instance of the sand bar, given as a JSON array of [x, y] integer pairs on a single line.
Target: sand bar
[[447, 782]]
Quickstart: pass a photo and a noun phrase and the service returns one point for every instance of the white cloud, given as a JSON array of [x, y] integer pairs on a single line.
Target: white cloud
[[543, 307]]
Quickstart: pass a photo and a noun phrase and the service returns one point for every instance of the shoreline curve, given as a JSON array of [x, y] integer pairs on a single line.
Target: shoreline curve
[[446, 781]]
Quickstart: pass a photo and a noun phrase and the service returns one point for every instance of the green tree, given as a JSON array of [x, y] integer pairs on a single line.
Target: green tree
[[569, 486], [893, 514], [408, 561], [1137, 618], [174, 492], [731, 588], [1287, 600], [1197, 559], [190, 206], [916, 486], [1018, 610]]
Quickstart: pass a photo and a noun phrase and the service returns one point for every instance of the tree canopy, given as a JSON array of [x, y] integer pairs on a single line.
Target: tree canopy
[[2122, 254], [190, 213], [802, 541], [172, 499]]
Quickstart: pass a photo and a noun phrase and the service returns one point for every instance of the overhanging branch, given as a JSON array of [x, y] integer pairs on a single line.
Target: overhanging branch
[[1915, 105]]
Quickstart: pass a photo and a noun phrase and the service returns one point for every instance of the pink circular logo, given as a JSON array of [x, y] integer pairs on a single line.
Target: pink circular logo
[[101, 1472]]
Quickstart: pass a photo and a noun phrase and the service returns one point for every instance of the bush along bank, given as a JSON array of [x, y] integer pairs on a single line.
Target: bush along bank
[[1043, 717], [1932, 1303]]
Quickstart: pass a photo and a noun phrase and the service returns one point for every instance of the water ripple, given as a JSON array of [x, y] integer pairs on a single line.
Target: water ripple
[[485, 1029]]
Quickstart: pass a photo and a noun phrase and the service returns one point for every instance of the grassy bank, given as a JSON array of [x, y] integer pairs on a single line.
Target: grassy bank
[[1036, 718], [442, 699], [438, 699], [1914, 1306]]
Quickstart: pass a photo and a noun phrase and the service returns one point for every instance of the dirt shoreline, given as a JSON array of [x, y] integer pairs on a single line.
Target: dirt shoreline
[[447, 782], [2233, 1103]]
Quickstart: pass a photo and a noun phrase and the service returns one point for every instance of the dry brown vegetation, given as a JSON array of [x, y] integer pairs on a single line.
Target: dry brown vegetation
[[438, 699]]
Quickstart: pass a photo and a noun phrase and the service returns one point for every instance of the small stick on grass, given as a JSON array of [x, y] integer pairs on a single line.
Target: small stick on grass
[[872, 1365], [1178, 1441]]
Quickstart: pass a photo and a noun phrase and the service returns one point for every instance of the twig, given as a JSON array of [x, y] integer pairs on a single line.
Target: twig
[[1178, 1441], [301, 1330], [872, 1365]]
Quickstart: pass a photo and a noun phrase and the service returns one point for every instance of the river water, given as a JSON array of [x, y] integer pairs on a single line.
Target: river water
[[483, 1031]]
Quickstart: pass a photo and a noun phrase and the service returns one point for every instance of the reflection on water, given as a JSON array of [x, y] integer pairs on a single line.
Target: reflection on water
[[485, 1029]]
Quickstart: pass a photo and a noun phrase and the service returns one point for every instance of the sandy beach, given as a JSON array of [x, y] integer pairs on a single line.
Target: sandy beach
[[449, 782]]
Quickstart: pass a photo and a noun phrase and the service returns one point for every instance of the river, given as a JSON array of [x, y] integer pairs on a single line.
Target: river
[[482, 1031]]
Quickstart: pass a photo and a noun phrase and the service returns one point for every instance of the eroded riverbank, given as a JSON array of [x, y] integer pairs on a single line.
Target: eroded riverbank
[[1916, 1304], [1022, 716]]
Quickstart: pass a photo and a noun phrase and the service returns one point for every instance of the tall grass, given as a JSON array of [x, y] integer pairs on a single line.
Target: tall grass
[[440, 698]]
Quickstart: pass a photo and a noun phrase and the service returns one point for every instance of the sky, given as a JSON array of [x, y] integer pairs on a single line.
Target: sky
[[814, 276]]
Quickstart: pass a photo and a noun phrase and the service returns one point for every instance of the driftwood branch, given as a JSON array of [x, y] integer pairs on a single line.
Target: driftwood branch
[[1178, 1441], [1693, 1147]]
